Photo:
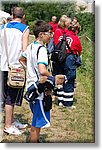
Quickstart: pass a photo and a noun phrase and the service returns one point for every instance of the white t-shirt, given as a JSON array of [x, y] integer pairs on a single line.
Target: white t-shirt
[[33, 74], [14, 33]]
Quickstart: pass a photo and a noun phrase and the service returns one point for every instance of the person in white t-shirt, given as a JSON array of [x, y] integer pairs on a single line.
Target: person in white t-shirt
[[35, 68], [17, 35], [35, 59]]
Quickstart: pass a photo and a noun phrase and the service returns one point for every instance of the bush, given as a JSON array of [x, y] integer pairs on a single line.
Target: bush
[[87, 21]]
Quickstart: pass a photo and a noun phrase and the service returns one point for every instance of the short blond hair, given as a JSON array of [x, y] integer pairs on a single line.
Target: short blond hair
[[64, 21]]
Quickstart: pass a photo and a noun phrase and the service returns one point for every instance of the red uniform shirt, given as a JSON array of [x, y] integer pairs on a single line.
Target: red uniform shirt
[[72, 39], [58, 35], [74, 42], [54, 26]]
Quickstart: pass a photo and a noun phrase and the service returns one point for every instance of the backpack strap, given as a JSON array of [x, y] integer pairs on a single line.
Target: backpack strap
[[38, 51], [37, 58]]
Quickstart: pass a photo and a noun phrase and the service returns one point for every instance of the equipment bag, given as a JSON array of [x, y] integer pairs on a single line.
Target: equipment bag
[[59, 54], [16, 77]]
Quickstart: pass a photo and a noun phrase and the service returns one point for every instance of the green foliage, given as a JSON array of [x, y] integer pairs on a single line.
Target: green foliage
[[88, 60], [46, 10], [87, 21]]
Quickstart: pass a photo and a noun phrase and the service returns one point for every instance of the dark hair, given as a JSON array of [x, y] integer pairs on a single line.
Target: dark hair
[[41, 26], [9, 18], [17, 12], [74, 26]]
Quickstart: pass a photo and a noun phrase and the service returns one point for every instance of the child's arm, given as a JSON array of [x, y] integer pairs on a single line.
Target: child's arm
[[43, 70]]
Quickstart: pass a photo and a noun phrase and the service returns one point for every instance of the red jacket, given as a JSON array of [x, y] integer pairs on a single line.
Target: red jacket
[[72, 38], [74, 42], [58, 35], [54, 26]]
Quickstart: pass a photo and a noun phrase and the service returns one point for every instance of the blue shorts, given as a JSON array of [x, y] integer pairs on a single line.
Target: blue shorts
[[40, 119]]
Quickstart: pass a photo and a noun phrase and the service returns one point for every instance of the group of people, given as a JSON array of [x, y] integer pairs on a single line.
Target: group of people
[[34, 58], [71, 28]]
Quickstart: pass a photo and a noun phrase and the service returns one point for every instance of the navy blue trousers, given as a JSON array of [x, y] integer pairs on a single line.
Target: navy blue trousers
[[68, 68]]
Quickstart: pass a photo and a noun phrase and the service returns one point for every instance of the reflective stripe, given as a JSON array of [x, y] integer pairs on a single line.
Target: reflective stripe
[[60, 98], [60, 92], [42, 109], [68, 94], [67, 99]]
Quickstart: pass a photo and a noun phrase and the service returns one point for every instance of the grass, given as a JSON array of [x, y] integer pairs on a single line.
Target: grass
[[67, 125]]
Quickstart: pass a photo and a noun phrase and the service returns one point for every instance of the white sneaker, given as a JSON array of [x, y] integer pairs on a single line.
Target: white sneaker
[[19, 125], [73, 107], [12, 130], [60, 104]]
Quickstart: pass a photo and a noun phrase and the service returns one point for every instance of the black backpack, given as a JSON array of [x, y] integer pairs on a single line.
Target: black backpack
[[59, 54]]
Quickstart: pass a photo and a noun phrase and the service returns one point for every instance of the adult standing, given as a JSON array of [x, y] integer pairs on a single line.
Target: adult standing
[[70, 65], [68, 68], [54, 23], [2, 22], [17, 40], [58, 68]]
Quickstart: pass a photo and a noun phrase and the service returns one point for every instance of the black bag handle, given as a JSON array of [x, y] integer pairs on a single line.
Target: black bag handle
[[37, 58], [38, 51]]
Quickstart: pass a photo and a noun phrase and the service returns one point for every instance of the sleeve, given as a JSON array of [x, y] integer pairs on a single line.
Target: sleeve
[[78, 46], [42, 56]]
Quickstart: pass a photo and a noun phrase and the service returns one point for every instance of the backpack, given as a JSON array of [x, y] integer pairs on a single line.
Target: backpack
[[59, 54]]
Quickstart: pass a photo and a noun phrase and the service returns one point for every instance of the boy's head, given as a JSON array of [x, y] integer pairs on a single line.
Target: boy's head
[[43, 31]]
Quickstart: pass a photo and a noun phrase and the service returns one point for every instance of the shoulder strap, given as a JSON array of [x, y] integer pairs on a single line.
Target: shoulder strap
[[64, 36], [5, 40], [37, 58], [38, 51]]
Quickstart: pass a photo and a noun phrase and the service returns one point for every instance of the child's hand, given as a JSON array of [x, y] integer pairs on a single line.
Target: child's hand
[[43, 79]]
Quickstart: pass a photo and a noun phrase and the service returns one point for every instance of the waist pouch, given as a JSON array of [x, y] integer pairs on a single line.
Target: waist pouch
[[47, 102], [16, 77]]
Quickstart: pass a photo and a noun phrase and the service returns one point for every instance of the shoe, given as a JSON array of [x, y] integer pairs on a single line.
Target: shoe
[[73, 107], [12, 130], [19, 125], [60, 104]]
